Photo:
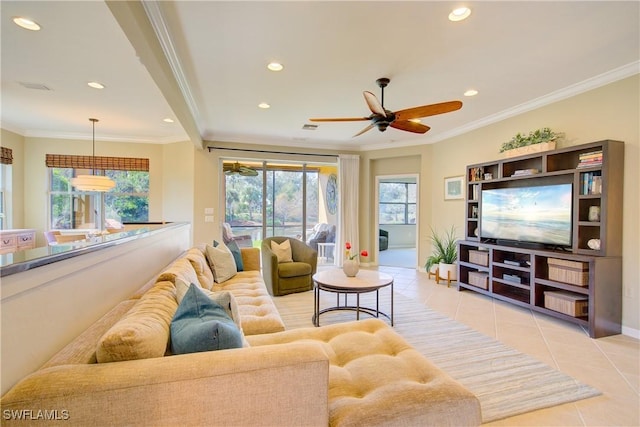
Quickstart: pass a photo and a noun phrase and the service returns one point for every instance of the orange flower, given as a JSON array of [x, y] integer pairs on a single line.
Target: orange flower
[[348, 245]]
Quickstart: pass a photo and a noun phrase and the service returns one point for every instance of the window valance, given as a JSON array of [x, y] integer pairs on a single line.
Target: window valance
[[6, 156], [101, 162]]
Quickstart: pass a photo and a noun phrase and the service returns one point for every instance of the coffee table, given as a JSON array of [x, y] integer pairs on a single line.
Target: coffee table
[[334, 280]]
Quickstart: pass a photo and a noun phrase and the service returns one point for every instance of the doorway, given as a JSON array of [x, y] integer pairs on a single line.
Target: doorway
[[397, 219]]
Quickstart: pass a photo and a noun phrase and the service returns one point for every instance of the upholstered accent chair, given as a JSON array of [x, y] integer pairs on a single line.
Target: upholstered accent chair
[[383, 240], [244, 241], [282, 278]]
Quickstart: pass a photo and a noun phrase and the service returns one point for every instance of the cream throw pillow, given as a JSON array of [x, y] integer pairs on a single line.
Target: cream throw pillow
[[221, 262], [282, 251], [143, 332]]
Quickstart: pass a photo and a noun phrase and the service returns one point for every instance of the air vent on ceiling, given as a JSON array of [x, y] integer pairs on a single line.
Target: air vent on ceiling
[[36, 86], [309, 126]]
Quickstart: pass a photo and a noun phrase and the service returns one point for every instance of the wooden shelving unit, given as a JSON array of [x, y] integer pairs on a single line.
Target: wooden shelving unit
[[521, 275]]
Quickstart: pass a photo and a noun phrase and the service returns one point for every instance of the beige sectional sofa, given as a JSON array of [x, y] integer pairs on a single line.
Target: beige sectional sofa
[[119, 371]]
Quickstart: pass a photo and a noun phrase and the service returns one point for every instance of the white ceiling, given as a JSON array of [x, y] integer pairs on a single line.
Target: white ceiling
[[518, 55]]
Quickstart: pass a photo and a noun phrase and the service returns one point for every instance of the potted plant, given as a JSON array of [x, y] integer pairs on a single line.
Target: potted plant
[[542, 140], [444, 256]]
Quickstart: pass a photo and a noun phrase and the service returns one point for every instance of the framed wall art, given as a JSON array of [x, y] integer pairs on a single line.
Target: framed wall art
[[453, 187]]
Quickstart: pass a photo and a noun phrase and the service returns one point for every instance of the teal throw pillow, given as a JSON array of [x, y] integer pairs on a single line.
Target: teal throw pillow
[[237, 256], [201, 324]]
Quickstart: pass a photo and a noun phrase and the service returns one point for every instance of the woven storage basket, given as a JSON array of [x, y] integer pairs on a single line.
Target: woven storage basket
[[479, 279], [575, 305], [572, 272], [479, 257]]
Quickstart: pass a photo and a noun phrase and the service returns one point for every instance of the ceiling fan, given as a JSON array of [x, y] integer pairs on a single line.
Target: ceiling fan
[[237, 168], [402, 119]]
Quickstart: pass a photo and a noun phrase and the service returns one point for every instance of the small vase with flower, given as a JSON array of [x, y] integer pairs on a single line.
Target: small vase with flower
[[351, 264]]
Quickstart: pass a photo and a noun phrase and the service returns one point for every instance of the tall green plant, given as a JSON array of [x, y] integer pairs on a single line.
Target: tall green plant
[[444, 248]]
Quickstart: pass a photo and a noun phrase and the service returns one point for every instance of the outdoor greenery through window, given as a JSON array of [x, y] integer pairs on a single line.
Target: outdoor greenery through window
[[282, 200], [397, 203], [128, 202]]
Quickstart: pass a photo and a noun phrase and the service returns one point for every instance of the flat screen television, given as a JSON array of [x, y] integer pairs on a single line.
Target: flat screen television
[[535, 214]]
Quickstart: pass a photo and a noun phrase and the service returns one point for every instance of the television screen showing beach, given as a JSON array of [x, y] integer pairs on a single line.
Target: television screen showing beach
[[540, 214]]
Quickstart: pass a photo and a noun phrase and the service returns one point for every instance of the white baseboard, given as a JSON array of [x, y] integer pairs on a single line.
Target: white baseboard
[[630, 332]]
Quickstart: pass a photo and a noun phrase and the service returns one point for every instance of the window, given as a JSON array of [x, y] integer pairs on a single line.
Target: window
[[127, 202], [282, 200], [397, 203], [6, 160]]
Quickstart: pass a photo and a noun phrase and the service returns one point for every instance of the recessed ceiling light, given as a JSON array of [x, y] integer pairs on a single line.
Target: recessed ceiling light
[[275, 66], [471, 92], [168, 120], [264, 105], [95, 85], [26, 23], [459, 14]]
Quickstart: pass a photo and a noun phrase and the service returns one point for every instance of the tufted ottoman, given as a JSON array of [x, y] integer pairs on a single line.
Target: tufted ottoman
[[377, 379]]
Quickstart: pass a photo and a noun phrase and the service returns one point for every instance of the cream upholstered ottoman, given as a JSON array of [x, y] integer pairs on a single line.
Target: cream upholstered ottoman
[[377, 379]]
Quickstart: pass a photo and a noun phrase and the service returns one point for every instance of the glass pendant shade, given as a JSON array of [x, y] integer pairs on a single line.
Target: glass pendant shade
[[93, 182]]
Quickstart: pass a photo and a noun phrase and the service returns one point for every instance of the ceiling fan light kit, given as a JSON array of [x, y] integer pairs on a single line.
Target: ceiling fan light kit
[[405, 120], [93, 182]]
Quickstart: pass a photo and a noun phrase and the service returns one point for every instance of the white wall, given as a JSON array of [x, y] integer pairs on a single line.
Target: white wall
[[43, 309]]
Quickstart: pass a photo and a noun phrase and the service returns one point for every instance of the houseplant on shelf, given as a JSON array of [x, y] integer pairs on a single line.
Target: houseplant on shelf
[[538, 140], [445, 254]]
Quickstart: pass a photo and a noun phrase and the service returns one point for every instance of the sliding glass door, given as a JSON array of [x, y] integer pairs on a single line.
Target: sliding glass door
[[264, 199]]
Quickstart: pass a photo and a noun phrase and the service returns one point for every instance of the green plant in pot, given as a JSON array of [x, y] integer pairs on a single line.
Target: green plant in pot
[[535, 137], [445, 254]]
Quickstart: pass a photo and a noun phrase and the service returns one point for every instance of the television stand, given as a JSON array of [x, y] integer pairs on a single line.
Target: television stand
[[528, 277], [580, 282]]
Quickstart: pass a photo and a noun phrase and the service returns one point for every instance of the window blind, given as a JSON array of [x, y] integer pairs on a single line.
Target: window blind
[[101, 162]]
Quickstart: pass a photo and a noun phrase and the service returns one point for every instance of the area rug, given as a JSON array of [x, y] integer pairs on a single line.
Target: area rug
[[506, 381]]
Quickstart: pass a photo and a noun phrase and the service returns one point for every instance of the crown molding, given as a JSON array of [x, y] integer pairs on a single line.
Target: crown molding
[[595, 82]]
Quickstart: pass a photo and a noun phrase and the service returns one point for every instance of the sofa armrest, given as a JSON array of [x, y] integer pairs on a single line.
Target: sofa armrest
[[283, 385], [250, 259]]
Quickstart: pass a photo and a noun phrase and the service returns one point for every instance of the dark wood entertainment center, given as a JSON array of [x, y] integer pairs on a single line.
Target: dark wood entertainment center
[[580, 283]]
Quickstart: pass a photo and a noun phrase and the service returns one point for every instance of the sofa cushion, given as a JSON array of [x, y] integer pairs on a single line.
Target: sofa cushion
[[82, 350], [282, 251], [201, 324], [143, 332], [201, 266], [258, 312], [221, 262], [181, 268], [294, 269]]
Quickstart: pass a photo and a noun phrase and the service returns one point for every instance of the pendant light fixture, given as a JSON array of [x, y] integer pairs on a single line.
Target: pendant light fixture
[[93, 182]]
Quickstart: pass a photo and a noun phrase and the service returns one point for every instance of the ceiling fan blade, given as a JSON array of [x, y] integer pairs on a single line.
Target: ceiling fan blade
[[428, 110], [374, 104], [409, 126], [346, 119], [364, 130], [247, 171]]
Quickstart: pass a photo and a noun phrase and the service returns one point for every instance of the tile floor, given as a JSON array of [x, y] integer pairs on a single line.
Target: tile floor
[[611, 364]]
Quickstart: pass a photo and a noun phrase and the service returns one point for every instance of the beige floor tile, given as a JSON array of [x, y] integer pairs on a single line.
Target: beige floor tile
[[611, 364]]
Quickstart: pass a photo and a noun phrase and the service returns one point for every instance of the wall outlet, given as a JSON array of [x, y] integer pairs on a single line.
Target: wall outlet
[[208, 218], [208, 211]]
